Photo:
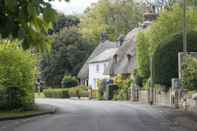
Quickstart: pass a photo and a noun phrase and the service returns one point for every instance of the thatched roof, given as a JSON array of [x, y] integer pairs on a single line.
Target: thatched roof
[[125, 56], [83, 74]]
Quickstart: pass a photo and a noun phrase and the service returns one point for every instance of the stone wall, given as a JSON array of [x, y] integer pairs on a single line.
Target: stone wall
[[186, 102]]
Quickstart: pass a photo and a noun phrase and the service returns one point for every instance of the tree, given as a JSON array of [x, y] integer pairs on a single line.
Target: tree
[[69, 52], [64, 22], [115, 18], [26, 20]]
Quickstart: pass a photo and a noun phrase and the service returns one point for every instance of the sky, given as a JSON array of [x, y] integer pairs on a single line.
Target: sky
[[72, 7]]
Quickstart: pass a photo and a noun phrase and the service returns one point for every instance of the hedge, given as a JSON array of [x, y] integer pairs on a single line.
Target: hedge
[[165, 58], [56, 93], [17, 76], [79, 91]]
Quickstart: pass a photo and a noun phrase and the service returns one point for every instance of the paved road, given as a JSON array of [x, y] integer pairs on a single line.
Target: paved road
[[96, 116]]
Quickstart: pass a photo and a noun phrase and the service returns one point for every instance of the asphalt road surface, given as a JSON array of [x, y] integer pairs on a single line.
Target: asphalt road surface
[[76, 115]]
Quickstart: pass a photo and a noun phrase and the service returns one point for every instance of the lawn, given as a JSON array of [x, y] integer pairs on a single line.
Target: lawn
[[6, 114]]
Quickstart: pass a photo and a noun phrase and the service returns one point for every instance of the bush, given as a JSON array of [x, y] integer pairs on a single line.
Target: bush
[[189, 73], [17, 76], [56, 93], [69, 81], [165, 58]]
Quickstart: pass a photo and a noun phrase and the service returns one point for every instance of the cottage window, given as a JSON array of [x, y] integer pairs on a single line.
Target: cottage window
[[115, 58], [129, 57], [97, 68]]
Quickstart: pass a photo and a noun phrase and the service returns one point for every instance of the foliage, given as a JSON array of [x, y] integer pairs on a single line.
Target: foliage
[[112, 17], [124, 86], [168, 23], [56, 93], [17, 76], [26, 20], [165, 58], [142, 55], [69, 81], [189, 73], [68, 54]]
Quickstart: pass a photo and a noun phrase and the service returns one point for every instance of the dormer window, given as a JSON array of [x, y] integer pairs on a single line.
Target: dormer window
[[116, 58], [129, 57]]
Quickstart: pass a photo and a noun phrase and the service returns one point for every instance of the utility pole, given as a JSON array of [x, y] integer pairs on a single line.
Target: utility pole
[[151, 82], [184, 27]]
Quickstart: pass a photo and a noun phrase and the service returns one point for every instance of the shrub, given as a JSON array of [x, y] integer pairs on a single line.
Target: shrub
[[165, 58], [17, 76], [101, 88], [56, 93], [189, 73], [69, 81], [121, 94]]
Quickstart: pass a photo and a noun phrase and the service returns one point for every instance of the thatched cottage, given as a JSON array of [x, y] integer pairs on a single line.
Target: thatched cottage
[[112, 58]]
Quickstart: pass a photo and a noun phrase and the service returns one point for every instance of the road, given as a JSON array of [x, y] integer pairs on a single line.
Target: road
[[76, 115]]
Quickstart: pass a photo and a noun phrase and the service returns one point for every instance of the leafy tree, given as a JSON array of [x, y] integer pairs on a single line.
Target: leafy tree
[[26, 20], [168, 23], [115, 18], [64, 22], [69, 52]]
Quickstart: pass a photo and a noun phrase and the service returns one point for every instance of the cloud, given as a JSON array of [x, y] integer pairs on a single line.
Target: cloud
[[72, 7]]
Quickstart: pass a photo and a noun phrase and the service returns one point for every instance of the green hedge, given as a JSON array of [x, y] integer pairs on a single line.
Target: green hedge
[[56, 93], [17, 76], [79, 91], [165, 58]]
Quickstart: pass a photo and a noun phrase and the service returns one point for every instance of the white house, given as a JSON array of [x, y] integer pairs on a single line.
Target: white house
[[98, 65]]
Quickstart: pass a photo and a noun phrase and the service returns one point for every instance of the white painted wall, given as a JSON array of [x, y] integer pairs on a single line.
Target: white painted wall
[[95, 74]]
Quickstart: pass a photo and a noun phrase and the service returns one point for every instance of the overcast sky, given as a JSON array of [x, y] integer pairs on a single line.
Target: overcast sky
[[72, 7]]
